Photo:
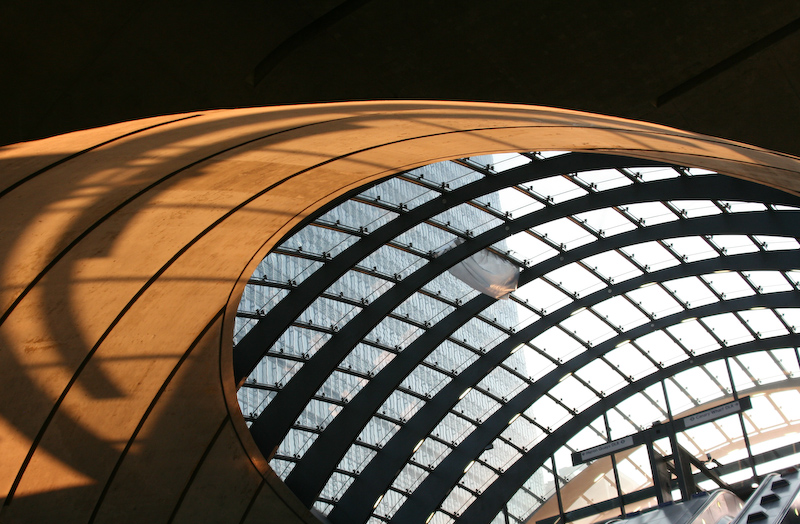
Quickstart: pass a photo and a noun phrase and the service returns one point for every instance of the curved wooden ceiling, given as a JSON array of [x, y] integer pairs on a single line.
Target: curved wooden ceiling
[[125, 250]]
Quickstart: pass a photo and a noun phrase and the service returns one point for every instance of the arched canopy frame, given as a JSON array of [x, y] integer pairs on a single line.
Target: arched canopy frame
[[110, 235]]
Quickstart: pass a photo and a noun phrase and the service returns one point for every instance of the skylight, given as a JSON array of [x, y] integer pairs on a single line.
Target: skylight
[[383, 355]]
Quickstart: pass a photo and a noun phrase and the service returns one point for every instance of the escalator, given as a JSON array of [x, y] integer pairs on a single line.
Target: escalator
[[775, 501]]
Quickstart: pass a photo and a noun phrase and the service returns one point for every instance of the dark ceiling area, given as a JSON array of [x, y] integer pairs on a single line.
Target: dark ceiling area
[[724, 68]]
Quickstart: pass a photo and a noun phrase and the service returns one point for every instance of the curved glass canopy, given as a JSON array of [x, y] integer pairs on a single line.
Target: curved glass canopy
[[385, 389]]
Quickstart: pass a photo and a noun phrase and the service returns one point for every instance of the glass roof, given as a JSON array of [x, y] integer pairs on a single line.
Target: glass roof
[[375, 366]]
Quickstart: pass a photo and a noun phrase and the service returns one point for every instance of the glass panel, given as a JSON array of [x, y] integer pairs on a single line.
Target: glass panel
[[410, 477], [733, 244], [742, 207], [728, 328], [776, 243], [769, 281], [594, 484], [283, 268], [661, 348], [537, 498], [691, 249], [502, 454], [296, 443], [592, 435], [318, 414], [612, 265], [791, 317], [335, 488], [453, 429], [377, 431], [457, 500], [729, 284], [556, 189], [630, 361], [788, 402], [650, 174], [642, 410], [478, 334], [586, 326], [423, 308], [451, 174], [576, 280], [478, 477], [651, 255], [696, 171], [517, 203], [654, 300], [691, 291], [451, 357], [547, 413], [281, 467], [362, 285], [699, 385], [538, 365], [476, 406], [253, 401], [501, 383], [558, 345], [318, 240], [354, 215], [505, 161], [696, 208], [621, 313], [763, 322], [566, 233], [422, 237], [762, 417], [762, 366], [440, 518], [693, 336], [425, 380], [530, 248], [601, 377], [604, 179], [393, 332], [679, 399], [542, 295], [431, 453], [363, 359], [787, 361], [607, 222], [633, 466], [396, 191], [390, 503], [650, 213], [326, 313], [573, 394], [401, 406], [466, 217], [742, 379], [339, 385], [322, 507]]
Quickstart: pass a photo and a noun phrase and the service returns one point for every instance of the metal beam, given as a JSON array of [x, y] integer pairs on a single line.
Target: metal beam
[[312, 472], [509, 483], [278, 417], [636, 496], [251, 349], [430, 493]]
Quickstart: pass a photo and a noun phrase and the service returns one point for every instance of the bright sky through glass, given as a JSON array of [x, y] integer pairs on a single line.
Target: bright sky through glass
[[632, 306]]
